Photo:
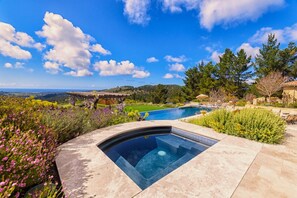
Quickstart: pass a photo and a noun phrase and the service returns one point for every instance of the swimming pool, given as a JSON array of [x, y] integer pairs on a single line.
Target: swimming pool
[[147, 155], [174, 113]]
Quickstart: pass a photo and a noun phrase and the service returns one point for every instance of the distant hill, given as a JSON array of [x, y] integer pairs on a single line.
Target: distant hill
[[145, 93]]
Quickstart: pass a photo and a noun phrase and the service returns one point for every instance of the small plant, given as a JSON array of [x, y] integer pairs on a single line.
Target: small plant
[[203, 112], [254, 124]]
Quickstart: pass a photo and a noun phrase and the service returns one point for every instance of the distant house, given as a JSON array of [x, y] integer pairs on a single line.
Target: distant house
[[290, 92]]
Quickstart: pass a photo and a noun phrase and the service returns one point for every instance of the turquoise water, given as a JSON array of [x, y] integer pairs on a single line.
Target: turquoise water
[[148, 158], [175, 113]]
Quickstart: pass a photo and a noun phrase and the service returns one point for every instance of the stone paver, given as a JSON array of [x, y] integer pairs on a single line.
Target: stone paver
[[234, 167], [274, 171]]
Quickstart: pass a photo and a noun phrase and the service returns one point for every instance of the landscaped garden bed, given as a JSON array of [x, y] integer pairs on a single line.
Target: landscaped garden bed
[[255, 124]]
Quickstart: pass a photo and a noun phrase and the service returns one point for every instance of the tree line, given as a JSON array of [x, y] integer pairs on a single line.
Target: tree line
[[237, 73]]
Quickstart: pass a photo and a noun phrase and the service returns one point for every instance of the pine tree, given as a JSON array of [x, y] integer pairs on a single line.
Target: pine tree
[[207, 80], [267, 60], [192, 81], [242, 72]]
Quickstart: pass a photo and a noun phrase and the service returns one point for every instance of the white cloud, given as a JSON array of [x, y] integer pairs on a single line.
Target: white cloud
[[210, 12], [136, 10], [98, 48], [152, 60], [215, 56], [51, 67], [17, 65], [177, 76], [284, 35], [176, 6], [209, 49], [213, 12], [8, 65], [177, 67], [140, 74], [113, 68], [179, 59], [71, 47], [11, 42], [168, 76], [250, 51], [79, 73], [13, 51]]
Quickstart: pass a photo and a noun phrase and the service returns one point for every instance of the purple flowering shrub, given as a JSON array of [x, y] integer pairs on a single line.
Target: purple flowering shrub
[[27, 148], [69, 123], [30, 131]]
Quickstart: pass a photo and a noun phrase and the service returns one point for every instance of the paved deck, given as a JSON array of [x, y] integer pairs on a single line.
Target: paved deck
[[234, 167]]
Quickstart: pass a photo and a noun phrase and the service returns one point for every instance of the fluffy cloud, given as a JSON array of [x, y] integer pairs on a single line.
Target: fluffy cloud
[[11, 42], [211, 12], [8, 65], [51, 67], [179, 59], [98, 48], [284, 35], [214, 12], [79, 73], [176, 6], [152, 60], [140, 74], [17, 65], [71, 47], [177, 67], [215, 56], [250, 51], [113, 68], [136, 10], [169, 76]]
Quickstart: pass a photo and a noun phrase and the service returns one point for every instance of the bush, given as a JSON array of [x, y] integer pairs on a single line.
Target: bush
[[29, 132], [240, 103], [27, 148], [254, 124]]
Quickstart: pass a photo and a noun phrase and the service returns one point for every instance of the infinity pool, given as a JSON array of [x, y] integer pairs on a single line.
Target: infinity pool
[[147, 155], [175, 113]]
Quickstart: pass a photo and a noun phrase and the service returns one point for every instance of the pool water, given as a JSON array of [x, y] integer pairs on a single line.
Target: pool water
[[149, 156], [174, 113]]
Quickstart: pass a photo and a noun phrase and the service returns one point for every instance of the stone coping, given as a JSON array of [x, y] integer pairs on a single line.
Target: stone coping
[[85, 171]]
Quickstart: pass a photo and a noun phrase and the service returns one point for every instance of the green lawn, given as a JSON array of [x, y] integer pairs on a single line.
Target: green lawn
[[145, 107]]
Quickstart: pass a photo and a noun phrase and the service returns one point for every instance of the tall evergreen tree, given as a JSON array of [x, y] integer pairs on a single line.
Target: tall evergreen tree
[[192, 81], [242, 72], [267, 60], [207, 80], [225, 73], [288, 58]]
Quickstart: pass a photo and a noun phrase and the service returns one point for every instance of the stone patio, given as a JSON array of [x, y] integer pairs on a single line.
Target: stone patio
[[234, 167]]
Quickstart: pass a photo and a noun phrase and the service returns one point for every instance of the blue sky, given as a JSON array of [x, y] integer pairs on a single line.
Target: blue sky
[[100, 44]]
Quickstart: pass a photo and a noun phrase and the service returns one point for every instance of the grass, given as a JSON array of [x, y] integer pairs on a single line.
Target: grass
[[145, 107]]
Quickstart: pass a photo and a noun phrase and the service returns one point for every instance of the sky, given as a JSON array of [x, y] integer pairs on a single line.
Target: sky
[[97, 44]]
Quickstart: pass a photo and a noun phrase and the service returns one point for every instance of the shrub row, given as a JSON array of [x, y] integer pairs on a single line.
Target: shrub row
[[254, 124]]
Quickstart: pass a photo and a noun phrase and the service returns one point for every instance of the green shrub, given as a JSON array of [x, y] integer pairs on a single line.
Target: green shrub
[[254, 124], [240, 103]]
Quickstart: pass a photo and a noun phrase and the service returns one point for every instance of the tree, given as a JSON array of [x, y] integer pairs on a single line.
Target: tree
[[233, 71], [160, 95], [267, 60], [224, 71], [270, 84], [242, 72], [192, 81], [288, 58], [207, 80]]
